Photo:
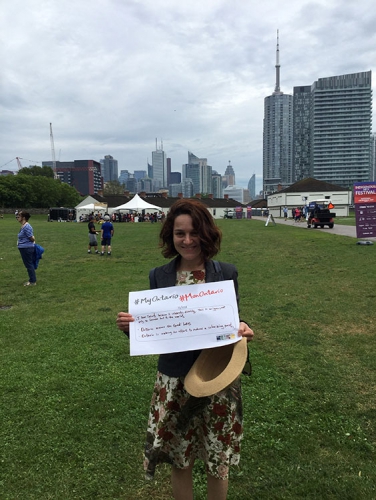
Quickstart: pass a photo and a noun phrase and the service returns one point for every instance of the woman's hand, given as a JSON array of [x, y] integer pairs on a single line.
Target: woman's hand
[[122, 321], [245, 331]]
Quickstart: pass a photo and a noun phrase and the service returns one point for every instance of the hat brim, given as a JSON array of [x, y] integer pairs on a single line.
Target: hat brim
[[216, 368]]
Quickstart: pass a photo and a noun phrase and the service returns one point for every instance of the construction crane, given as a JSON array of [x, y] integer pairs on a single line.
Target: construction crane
[[53, 151], [19, 164]]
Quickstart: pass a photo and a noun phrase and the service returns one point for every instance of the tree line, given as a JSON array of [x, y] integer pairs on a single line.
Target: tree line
[[36, 187]]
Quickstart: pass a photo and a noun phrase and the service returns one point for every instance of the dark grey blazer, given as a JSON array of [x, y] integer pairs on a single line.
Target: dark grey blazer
[[179, 363]]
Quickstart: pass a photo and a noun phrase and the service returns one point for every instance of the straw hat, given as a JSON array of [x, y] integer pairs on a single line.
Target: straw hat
[[216, 368]]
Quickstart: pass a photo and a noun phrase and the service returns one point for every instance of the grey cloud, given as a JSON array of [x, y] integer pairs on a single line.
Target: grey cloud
[[112, 76]]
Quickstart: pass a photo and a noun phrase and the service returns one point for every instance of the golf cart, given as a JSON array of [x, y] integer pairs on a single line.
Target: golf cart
[[319, 214]]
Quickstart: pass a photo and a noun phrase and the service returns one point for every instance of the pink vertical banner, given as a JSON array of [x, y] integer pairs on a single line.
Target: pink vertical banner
[[365, 209], [239, 212]]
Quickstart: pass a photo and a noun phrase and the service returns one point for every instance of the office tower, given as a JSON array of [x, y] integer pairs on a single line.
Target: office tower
[[168, 162], [187, 188], [302, 113], [132, 184], [139, 174], [277, 137], [159, 166], [217, 185], [252, 187], [200, 172], [146, 184], [87, 176], [150, 170], [175, 177], [341, 128], [192, 172], [62, 170], [109, 168], [174, 189], [236, 193], [124, 176], [229, 175], [84, 175]]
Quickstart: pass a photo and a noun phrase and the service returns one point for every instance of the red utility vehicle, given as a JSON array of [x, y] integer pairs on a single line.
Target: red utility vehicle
[[319, 214]]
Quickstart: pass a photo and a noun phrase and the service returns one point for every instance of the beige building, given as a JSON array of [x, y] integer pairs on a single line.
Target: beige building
[[303, 192]]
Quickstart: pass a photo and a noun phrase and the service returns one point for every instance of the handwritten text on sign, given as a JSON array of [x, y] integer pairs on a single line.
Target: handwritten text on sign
[[183, 318]]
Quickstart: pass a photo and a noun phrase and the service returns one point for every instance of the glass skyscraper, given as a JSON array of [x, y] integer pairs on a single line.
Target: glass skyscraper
[[109, 168], [200, 172], [159, 167], [277, 137], [252, 187]]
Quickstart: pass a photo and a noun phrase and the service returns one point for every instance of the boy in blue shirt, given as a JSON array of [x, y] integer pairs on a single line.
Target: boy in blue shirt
[[107, 232]]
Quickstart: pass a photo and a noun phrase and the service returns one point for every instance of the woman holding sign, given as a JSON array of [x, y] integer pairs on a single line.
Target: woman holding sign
[[181, 426]]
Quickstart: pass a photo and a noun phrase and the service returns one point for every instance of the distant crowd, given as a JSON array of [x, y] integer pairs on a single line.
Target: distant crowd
[[125, 217]]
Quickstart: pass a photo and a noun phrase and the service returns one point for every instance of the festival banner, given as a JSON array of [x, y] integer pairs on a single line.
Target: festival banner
[[239, 212], [365, 209]]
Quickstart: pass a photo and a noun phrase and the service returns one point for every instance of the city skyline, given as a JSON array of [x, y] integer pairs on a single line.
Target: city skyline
[[322, 131], [196, 79]]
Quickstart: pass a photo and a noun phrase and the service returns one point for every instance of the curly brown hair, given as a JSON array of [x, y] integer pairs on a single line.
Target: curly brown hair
[[203, 223]]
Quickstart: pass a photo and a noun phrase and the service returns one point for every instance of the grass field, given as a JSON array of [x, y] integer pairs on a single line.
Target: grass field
[[74, 404]]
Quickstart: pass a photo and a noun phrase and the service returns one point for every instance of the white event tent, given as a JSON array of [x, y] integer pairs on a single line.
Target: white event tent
[[137, 204], [90, 207]]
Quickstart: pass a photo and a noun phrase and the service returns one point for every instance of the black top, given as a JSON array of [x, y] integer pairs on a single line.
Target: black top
[[178, 364]]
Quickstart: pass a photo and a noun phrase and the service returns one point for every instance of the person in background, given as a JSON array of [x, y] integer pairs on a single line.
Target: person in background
[[93, 242], [214, 430], [25, 243], [285, 212], [305, 212], [298, 214], [107, 232]]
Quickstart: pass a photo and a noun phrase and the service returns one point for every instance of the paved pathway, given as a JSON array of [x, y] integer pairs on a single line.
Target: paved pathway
[[337, 229]]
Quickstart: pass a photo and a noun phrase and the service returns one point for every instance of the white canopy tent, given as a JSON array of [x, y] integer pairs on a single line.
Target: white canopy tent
[[90, 207], [93, 206], [137, 204]]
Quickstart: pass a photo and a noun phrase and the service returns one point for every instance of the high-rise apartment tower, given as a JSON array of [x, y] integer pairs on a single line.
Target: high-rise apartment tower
[[341, 129]]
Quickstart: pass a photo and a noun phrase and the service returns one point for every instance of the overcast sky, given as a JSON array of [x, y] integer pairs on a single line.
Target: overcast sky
[[113, 75]]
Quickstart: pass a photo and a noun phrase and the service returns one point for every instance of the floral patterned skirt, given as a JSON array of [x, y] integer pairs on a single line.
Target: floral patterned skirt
[[182, 428]]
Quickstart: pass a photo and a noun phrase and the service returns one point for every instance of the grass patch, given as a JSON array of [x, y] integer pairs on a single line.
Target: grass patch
[[74, 404]]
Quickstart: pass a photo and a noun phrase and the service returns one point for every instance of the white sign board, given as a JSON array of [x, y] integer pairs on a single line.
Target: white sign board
[[183, 318]]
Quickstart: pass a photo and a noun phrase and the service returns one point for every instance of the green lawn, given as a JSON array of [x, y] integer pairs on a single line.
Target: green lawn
[[348, 221], [74, 404]]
